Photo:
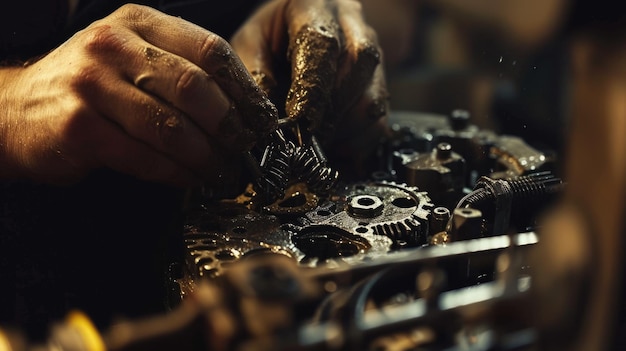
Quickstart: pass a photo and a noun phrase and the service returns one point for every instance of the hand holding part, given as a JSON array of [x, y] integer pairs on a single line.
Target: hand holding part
[[333, 57], [138, 91]]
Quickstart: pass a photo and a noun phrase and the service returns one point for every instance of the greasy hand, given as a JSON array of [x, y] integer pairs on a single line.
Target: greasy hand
[[332, 60], [140, 92]]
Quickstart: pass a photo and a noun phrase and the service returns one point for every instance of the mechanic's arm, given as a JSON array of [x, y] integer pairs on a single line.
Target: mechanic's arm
[[138, 91]]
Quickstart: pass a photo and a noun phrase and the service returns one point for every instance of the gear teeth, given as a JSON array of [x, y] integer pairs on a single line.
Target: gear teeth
[[407, 230]]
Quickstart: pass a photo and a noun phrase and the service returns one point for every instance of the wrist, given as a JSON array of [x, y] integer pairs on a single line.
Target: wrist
[[10, 105]]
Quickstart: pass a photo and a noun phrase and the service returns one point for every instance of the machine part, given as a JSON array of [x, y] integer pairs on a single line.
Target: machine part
[[400, 158], [219, 237], [517, 157], [273, 176], [365, 206], [284, 163], [365, 301], [466, 223], [309, 164], [438, 219], [297, 200], [324, 242], [355, 241], [485, 152], [471, 142], [264, 303], [513, 201], [364, 220], [459, 119], [441, 173], [441, 239]]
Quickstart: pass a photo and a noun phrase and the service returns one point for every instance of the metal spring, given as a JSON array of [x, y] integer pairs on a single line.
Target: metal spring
[[273, 172], [310, 165], [530, 186]]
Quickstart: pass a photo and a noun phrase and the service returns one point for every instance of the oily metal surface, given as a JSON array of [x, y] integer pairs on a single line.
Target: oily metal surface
[[365, 220], [358, 221]]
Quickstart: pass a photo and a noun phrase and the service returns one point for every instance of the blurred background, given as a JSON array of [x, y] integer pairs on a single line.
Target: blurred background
[[554, 73], [503, 61]]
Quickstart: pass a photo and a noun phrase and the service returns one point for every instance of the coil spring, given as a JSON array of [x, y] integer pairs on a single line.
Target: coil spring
[[282, 159], [272, 173], [526, 187], [310, 165]]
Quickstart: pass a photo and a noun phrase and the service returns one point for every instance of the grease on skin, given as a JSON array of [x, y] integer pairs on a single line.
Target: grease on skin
[[360, 74], [151, 54], [263, 80], [258, 115], [313, 55], [233, 133], [378, 107], [254, 117], [165, 124]]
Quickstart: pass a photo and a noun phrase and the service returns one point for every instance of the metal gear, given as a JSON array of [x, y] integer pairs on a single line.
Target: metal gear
[[365, 219]]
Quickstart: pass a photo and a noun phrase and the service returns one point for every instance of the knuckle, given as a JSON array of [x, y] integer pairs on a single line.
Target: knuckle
[[134, 12], [214, 46], [103, 38], [189, 81]]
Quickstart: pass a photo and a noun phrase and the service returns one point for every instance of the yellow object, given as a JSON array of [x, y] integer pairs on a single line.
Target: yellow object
[[90, 335], [5, 345]]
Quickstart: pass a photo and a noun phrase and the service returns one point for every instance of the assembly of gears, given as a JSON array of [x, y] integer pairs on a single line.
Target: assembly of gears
[[395, 261]]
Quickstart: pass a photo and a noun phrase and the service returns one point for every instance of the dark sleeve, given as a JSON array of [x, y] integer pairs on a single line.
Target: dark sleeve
[[223, 18], [31, 28], [102, 246]]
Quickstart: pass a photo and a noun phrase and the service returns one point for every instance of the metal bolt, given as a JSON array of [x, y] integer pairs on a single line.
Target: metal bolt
[[459, 119], [443, 151], [366, 205]]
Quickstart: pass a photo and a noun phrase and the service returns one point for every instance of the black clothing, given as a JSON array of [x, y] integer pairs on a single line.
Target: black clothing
[[33, 27]]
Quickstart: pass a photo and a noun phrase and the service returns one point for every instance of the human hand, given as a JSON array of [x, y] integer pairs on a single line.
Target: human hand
[[331, 62], [138, 91]]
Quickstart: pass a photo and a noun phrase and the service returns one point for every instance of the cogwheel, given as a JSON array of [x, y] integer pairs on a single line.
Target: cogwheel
[[407, 230], [388, 215]]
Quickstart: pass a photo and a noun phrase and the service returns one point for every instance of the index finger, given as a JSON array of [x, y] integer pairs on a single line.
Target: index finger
[[214, 55]]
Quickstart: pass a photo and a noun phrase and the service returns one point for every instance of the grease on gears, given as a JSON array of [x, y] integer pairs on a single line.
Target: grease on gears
[[387, 215], [360, 221], [283, 163]]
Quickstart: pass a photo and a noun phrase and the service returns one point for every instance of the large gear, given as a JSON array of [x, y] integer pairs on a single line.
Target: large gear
[[364, 219]]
